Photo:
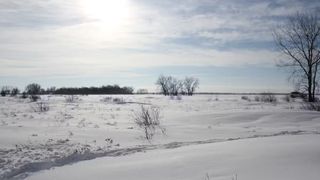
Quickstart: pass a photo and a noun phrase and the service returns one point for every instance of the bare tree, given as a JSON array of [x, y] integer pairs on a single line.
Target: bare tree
[[14, 92], [299, 39], [175, 86], [33, 89], [172, 86], [190, 85], [163, 83]]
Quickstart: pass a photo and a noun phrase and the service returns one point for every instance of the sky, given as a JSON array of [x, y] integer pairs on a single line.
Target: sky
[[226, 44]]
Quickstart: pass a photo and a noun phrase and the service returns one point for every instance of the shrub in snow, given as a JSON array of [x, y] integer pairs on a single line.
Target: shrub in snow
[[71, 98], [148, 119], [179, 97], [235, 177], [312, 106], [109, 142], [257, 98], [118, 100], [246, 98], [268, 97], [287, 98], [207, 177], [306, 99], [34, 98], [24, 95], [297, 94], [106, 99], [41, 107]]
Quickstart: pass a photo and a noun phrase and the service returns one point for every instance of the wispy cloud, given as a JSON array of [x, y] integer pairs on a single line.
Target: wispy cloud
[[38, 13]]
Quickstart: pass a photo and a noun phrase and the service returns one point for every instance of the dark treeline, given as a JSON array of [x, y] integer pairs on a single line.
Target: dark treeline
[[115, 89]]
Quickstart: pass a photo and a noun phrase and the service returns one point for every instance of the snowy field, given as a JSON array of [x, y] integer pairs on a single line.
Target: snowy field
[[207, 137]]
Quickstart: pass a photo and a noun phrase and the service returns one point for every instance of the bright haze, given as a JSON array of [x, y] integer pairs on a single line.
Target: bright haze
[[227, 44]]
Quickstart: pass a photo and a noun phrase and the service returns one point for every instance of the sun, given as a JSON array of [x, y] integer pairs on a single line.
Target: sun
[[110, 12]]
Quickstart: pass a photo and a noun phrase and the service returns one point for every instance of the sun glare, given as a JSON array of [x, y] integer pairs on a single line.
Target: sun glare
[[110, 12]]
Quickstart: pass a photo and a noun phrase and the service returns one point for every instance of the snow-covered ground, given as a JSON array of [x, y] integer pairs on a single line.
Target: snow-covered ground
[[275, 158], [207, 137]]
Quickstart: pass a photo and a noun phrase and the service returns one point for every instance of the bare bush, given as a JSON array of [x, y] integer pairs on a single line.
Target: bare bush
[[116, 100], [24, 95], [178, 97], [287, 98], [148, 119], [34, 98], [257, 98], [312, 106], [268, 97], [71, 98], [41, 106], [296, 94], [109, 142], [106, 99], [246, 98], [207, 177]]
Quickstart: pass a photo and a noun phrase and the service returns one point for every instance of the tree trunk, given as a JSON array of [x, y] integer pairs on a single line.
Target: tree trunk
[[310, 97], [314, 82]]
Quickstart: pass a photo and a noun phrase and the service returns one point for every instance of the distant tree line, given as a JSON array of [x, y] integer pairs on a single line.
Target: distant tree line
[[171, 86], [33, 90], [110, 89]]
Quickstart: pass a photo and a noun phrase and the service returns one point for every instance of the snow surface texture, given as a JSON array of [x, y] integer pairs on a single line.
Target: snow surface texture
[[212, 137]]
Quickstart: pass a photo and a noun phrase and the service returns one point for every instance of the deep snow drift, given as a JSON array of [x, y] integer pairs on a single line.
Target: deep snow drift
[[207, 137]]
